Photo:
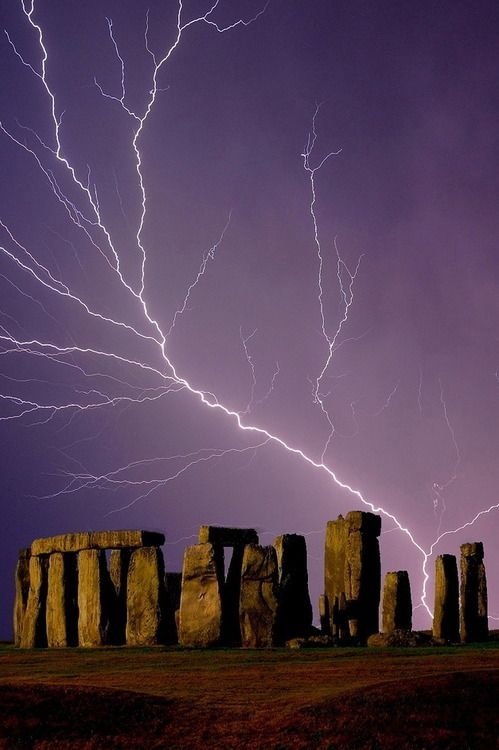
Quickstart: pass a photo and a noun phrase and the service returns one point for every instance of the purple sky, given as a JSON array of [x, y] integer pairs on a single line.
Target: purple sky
[[410, 95]]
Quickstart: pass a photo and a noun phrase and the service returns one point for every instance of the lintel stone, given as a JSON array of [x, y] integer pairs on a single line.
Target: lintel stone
[[226, 536], [96, 540]]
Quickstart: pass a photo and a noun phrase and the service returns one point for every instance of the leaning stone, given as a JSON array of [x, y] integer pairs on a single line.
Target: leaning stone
[[145, 597], [259, 592], [22, 591], [397, 602], [200, 618], [294, 611], [96, 540], [34, 631], [446, 610], [61, 616], [94, 587], [119, 563], [474, 622], [226, 536]]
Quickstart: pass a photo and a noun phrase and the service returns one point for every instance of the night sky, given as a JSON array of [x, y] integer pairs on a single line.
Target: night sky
[[102, 428]]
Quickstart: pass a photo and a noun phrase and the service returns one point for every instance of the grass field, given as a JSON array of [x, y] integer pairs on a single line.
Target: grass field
[[359, 699]]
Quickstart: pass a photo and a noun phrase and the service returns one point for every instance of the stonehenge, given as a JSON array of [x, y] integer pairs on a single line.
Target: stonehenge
[[352, 568], [446, 608], [94, 589], [397, 603]]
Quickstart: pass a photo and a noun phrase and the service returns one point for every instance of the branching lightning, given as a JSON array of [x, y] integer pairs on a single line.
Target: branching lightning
[[163, 379]]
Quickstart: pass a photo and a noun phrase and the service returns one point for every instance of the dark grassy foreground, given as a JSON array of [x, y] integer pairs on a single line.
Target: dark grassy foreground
[[445, 698]]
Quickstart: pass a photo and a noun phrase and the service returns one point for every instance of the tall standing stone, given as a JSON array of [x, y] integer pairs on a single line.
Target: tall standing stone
[[334, 563], [22, 591], [61, 613], [294, 611], [119, 562], [446, 609], [474, 623], [259, 596], [145, 597], [362, 573], [200, 618], [34, 632], [397, 602], [94, 588]]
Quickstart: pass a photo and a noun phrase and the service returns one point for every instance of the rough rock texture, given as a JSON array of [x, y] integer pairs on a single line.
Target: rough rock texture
[[258, 600], [474, 623], [334, 562], [145, 597], [94, 598], [200, 618], [226, 536], [362, 573], [119, 562], [397, 602], [294, 610], [313, 641], [446, 610], [400, 638], [96, 540], [61, 611], [173, 589], [33, 631], [22, 591]]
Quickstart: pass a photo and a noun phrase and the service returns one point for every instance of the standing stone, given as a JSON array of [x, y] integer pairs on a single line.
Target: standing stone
[[22, 591], [362, 573], [145, 597], [61, 615], [446, 610], [334, 563], [200, 618], [324, 615], [93, 598], [474, 623], [258, 600], [119, 562], [34, 631], [173, 589], [231, 630], [397, 602], [294, 611]]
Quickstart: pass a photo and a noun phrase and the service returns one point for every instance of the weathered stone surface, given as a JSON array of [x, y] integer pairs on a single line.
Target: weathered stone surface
[[173, 589], [400, 638], [313, 641], [362, 573], [96, 540], [258, 600], [145, 597], [94, 597], [33, 631], [200, 619], [61, 612], [397, 602], [226, 536], [22, 591], [473, 621], [446, 610], [119, 562], [334, 561], [294, 610]]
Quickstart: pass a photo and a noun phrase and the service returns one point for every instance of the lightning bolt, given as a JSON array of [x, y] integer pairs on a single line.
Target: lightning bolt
[[160, 367]]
